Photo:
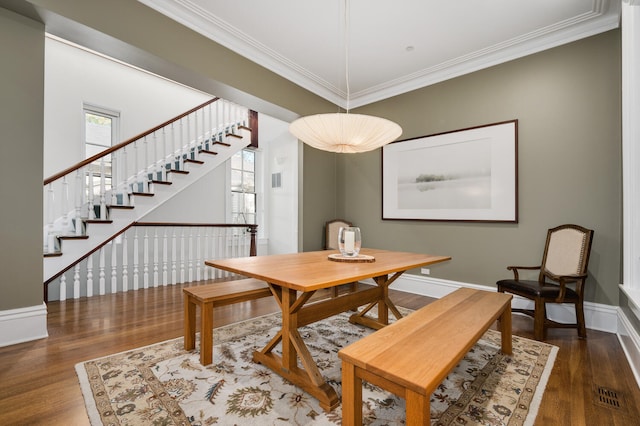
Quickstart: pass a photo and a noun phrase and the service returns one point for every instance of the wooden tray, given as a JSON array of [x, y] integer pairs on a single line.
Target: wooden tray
[[361, 258]]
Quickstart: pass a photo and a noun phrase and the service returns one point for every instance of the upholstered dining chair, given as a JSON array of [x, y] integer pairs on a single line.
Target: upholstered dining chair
[[331, 229], [562, 277]]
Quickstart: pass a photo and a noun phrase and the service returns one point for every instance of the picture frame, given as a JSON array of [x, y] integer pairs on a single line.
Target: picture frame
[[468, 175]]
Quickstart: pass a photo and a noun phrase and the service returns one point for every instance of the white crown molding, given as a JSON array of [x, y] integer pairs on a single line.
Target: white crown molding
[[604, 16]]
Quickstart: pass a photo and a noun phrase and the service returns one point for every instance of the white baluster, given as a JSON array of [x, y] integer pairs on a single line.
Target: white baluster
[[173, 144], [51, 240], [165, 258], [76, 281], [135, 259], [190, 260], [65, 205], [78, 202], [156, 159], [198, 255], [182, 256], [101, 274], [220, 254], [145, 254], [145, 169], [125, 176], [90, 195], [63, 287], [90, 275], [114, 266], [136, 169], [210, 128], [155, 258], [174, 258], [180, 143], [205, 269], [125, 262], [163, 161], [103, 201]]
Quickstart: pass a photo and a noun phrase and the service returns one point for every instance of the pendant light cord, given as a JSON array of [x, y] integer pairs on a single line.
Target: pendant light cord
[[346, 48]]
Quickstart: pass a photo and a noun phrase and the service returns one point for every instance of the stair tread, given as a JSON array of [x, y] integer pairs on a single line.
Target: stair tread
[[206, 151], [188, 160], [181, 172], [143, 194], [73, 237], [221, 143], [120, 206], [106, 221], [53, 254], [161, 182]]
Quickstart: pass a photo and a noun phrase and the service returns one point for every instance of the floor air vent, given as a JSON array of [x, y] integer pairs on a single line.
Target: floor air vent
[[608, 398]]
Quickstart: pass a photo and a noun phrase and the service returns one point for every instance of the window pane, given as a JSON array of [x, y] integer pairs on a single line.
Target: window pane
[[248, 163], [97, 129], [236, 180], [248, 182], [250, 203], [236, 161]]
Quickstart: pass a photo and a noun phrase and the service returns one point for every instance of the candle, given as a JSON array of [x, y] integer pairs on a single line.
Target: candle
[[349, 241]]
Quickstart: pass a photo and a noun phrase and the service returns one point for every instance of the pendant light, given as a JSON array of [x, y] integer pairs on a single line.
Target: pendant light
[[345, 132]]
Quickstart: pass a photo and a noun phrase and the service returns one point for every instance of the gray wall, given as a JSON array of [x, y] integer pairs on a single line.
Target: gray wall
[[568, 103], [22, 88]]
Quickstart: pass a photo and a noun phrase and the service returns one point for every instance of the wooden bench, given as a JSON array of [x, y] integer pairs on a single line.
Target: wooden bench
[[411, 357], [206, 297]]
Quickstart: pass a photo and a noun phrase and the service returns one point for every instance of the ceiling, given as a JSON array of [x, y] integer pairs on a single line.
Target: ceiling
[[387, 47]]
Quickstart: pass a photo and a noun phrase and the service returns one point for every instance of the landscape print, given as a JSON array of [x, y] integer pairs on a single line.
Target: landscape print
[[451, 176], [465, 175]]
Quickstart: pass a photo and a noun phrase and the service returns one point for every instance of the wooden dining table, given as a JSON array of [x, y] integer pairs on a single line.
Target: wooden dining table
[[293, 280]]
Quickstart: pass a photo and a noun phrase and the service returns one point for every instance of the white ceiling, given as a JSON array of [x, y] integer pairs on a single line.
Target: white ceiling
[[393, 46]]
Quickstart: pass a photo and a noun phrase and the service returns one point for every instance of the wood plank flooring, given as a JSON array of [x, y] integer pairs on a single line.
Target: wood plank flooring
[[39, 386]]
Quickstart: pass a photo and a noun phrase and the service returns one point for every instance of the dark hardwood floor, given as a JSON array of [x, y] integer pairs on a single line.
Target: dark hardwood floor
[[38, 383]]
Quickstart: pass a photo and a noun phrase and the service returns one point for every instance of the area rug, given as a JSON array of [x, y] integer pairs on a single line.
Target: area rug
[[163, 384]]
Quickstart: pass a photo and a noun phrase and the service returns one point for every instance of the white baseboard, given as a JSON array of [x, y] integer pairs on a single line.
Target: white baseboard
[[630, 341], [23, 324], [597, 316]]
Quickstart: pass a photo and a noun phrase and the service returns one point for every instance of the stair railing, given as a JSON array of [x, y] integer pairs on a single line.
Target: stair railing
[[115, 176], [153, 254]]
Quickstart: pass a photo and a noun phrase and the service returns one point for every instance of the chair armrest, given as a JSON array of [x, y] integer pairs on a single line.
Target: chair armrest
[[565, 279], [516, 276]]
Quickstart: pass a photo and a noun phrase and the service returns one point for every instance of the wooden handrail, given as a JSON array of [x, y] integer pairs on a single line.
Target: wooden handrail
[[108, 151]]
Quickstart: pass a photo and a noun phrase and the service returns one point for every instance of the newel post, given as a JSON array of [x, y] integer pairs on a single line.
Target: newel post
[[253, 230]]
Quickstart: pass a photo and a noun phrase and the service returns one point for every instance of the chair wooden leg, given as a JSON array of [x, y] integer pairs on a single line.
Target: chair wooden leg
[[539, 319], [582, 329]]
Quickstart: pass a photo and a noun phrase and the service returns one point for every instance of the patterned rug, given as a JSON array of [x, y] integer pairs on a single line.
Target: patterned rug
[[163, 384]]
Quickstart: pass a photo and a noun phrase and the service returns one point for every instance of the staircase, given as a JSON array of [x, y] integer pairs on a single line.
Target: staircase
[[94, 201]]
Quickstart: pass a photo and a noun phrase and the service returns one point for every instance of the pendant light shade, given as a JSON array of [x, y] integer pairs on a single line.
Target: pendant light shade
[[345, 132]]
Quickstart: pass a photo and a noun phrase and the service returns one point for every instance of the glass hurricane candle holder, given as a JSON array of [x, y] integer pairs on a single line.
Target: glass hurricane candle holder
[[349, 241]]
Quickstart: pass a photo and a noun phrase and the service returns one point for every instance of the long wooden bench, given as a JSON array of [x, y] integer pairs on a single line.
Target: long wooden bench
[[411, 357], [206, 297]]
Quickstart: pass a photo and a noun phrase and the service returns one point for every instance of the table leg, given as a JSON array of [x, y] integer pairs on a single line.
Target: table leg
[[308, 378], [505, 329], [384, 305]]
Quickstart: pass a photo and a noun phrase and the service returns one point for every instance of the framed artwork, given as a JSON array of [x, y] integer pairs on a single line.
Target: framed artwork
[[466, 175]]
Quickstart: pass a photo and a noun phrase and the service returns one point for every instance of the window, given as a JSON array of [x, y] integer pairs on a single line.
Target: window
[[100, 133], [243, 187]]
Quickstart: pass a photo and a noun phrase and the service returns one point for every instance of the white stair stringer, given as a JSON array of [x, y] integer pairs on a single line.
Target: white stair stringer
[[99, 233]]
